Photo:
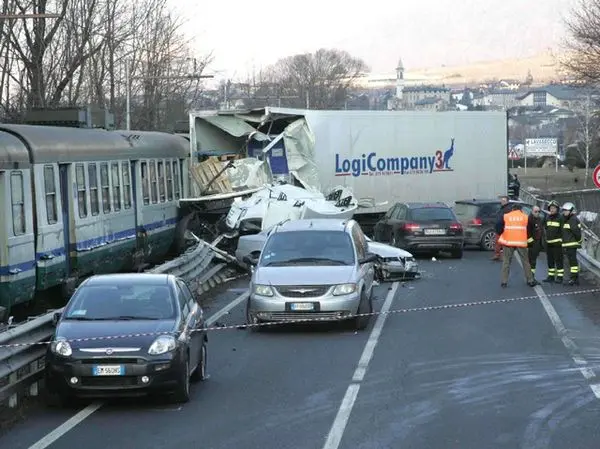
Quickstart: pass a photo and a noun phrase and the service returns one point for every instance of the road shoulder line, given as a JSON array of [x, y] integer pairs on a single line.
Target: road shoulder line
[[340, 422], [568, 343]]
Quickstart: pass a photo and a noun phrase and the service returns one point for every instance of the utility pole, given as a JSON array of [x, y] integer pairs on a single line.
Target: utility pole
[[266, 97], [30, 16], [128, 80]]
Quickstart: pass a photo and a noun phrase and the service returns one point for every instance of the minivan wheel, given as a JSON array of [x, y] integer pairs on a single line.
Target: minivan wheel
[[488, 241], [365, 306], [252, 321]]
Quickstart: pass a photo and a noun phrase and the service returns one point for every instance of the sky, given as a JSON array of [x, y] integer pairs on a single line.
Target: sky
[[247, 35]]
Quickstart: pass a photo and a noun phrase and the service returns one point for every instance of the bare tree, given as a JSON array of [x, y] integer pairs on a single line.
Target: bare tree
[[321, 80], [52, 52], [587, 132], [79, 59], [583, 43]]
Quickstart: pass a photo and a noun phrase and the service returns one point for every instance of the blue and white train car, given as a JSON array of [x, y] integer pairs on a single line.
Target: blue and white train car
[[84, 201]]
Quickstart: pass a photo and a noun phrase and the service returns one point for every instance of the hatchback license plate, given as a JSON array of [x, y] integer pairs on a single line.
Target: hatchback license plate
[[302, 306], [109, 370], [435, 231]]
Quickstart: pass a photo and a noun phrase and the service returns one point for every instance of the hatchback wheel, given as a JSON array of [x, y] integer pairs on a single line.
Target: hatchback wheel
[[200, 371], [182, 393]]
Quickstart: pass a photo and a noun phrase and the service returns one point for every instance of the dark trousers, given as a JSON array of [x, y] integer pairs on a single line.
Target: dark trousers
[[571, 254], [497, 248], [533, 252], [555, 261], [508, 252]]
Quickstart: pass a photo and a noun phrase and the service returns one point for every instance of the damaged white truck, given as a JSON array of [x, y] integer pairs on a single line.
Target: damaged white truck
[[337, 163]]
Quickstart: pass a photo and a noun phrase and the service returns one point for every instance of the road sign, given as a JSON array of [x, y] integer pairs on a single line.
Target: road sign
[[541, 147], [596, 176], [513, 155]]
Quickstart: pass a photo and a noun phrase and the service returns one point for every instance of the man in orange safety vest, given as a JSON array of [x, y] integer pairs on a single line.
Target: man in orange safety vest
[[512, 229]]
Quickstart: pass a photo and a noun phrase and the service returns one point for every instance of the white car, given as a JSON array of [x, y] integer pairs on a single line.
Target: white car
[[392, 263]]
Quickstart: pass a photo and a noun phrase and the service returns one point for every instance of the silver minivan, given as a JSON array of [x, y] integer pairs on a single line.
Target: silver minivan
[[312, 269]]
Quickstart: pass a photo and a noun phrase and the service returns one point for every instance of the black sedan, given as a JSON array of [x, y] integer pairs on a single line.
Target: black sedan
[[127, 335]]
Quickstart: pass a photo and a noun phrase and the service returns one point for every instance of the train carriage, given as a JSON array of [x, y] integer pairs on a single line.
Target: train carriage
[[102, 201], [17, 241]]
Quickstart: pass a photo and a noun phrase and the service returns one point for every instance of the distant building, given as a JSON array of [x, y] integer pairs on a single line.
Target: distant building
[[556, 95]]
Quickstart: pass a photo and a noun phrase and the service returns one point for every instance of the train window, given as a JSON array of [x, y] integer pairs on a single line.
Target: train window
[[154, 187], [50, 186], [126, 185], [93, 180], [161, 181], [116, 185], [18, 202], [105, 186], [145, 180], [81, 191], [169, 181], [176, 180]]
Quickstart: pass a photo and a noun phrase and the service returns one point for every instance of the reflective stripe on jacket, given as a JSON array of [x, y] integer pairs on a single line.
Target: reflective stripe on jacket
[[515, 230], [571, 233], [554, 230]]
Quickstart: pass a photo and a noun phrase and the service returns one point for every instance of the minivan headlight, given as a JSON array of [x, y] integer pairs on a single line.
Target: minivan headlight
[[61, 347], [344, 289], [162, 345], [263, 290]]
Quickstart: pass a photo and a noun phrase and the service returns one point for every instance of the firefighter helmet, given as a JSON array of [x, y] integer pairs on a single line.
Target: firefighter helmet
[[568, 206], [553, 203]]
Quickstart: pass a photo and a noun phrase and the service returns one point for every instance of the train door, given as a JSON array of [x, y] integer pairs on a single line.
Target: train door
[[63, 171], [137, 201], [17, 242], [134, 198]]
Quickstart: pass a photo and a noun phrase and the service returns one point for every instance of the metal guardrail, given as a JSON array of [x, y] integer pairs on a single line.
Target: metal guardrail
[[22, 367], [589, 254]]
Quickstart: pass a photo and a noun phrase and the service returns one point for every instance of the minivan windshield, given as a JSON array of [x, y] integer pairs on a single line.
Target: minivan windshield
[[308, 248], [121, 302]]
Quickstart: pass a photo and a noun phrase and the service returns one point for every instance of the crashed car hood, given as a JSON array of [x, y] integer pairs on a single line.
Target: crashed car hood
[[304, 275], [384, 250]]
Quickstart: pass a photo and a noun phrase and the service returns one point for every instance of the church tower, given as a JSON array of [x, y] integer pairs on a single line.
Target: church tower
[[399, 80]]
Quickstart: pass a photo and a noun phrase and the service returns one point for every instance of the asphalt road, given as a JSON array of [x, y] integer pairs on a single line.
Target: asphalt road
[[486, 375]]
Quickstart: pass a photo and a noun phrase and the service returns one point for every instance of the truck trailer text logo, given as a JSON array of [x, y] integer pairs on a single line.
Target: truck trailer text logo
[[371, 165]]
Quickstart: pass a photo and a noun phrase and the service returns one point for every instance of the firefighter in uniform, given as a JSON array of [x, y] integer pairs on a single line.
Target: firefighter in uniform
[[535, 237], [554, 251], [571, 240]]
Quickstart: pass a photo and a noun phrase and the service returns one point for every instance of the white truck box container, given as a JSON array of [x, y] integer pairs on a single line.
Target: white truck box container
[[391, 156]]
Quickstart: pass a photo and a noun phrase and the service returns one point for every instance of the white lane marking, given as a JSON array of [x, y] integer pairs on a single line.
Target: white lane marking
[[367, 354], [65, 427], [236, 302], [567, 341], [343, 415]]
